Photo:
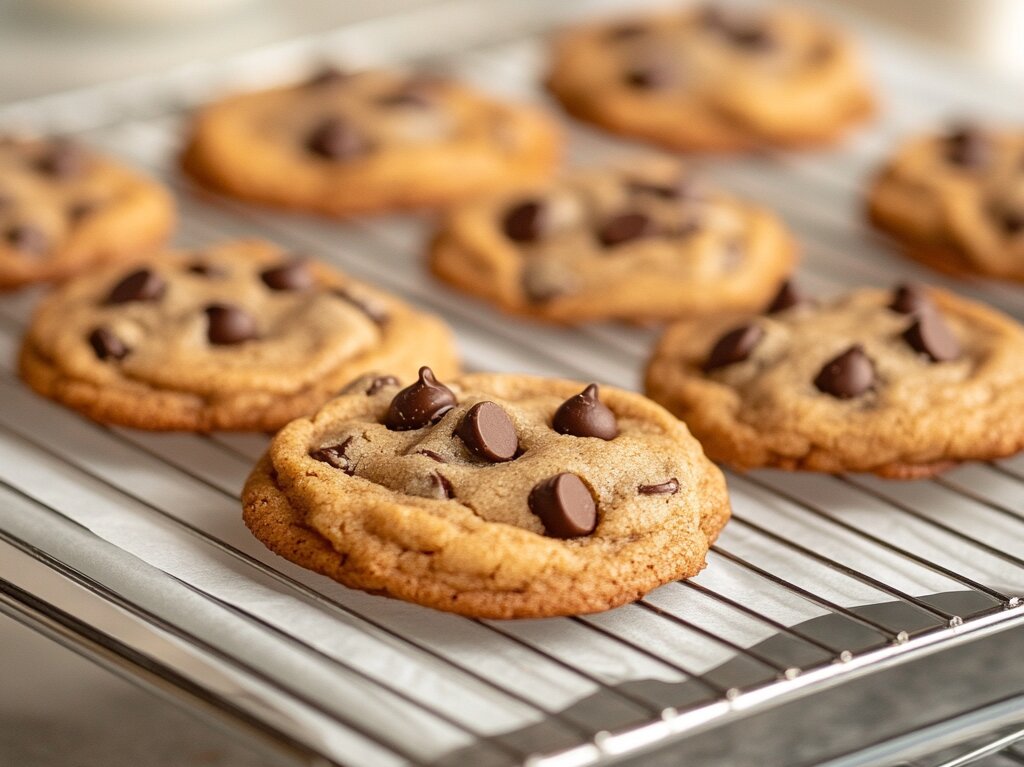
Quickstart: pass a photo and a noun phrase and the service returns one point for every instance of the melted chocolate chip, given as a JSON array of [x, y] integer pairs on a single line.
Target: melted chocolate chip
[[336, 139], [379, 383], [377, 314], [27, 239], [334, 455], [668, 487], [432, 455], [626, 31], [204, 269], [525, 222], [624, 228], [488, 433], [62, 160], [1011, 221], [847, 376], [140, 285], [229, 324], [81, 210], [292, 275], [968, 147], [442, 487], [584, 415], [735, 346], [564, 505], [420, 404], [107, 345], [909, 299], [649, 77], [930, 335], [786, 298]]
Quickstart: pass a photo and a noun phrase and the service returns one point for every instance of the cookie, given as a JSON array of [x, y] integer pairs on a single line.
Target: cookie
[[493, 496], [240, 336], [644, 241], [903, 383], [956, 201], [366, 142], [710, 79], [64, 208]]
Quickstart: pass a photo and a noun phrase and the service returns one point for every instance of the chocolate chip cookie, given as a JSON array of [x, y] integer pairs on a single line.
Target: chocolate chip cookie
[[240, 336], [901, 383], [705, 78], [645, 241], [497, 496], [364, 142], [956, 201], [64, 208]]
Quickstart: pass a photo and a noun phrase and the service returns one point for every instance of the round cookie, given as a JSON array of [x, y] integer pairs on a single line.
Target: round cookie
[[904, 384], [241, 336], [493, 496], [373, 141], [705, 78], [956, 201], [644, 241], [64, 208]]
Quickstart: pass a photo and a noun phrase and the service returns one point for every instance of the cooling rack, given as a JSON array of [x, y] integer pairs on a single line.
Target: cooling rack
[[840, 618]]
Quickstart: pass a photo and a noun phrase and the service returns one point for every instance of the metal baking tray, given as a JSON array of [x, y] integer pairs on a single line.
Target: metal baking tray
[[843, 619]]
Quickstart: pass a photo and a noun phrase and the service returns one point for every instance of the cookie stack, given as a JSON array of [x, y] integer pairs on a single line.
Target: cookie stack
[[503, 495]]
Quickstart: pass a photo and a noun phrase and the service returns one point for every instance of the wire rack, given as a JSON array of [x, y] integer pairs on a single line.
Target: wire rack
[[843, 618]]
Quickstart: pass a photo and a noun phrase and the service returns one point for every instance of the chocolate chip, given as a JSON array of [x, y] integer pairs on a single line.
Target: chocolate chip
[[421, 404], [377, 313], [626, 31], [379, 383], [1011, 221], [82, 210], [432, 455], [204, 269], [668, 487], [334, 455], [786, 298], [564, 505], [61, 160], [229, 324], [107, 345], [649, 76], [930, 335], [584, 415], [968, 147], [741, 32], [624, 228], [735, 346], [329, 75], [525, 222], [441, 486], [27, 238], [909, 299], [140, 285], [292, 275], [848, 375], [488, 433], [336, 139]]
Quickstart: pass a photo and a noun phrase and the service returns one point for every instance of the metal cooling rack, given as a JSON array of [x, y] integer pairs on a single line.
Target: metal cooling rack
[[842, 618]]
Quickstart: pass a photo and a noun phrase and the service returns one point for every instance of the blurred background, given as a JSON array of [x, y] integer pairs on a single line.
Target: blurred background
[[55, 708]]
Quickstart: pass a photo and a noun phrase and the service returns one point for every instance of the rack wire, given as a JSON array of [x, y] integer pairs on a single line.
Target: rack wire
[[819, 583]]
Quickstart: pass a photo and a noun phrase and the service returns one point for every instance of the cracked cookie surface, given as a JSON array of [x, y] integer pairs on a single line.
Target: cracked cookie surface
[[372, 141], [490, 495], [903, 384], [646, 240], [956, 201], [238, 336], [713, 79], [64, 208]]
